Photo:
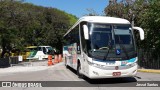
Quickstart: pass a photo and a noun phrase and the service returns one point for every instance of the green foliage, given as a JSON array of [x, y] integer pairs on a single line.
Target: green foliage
[[146, 14], [151, 21], [24, 24]]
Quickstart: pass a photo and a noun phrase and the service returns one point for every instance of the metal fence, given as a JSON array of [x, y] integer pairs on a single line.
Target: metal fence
[[4, 62], [148, 60]]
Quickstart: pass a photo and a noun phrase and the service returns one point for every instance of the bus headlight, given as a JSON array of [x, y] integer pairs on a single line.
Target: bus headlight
[[131, 64]]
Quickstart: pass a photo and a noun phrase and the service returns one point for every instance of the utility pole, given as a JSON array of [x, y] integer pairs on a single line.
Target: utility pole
[[133, 16]]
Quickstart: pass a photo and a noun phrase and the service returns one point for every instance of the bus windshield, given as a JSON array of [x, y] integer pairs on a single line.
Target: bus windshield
[[111, 42], [101, 35]]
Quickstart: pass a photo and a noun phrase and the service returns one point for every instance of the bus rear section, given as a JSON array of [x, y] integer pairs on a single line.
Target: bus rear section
[[41, 52], [105, 47]]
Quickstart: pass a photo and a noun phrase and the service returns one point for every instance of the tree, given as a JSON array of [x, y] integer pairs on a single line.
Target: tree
[[24, 24], [146, 14], [91, 12], [150, 19]]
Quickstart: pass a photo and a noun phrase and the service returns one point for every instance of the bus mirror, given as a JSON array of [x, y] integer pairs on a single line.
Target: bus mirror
[[141, 32], [86, 32]]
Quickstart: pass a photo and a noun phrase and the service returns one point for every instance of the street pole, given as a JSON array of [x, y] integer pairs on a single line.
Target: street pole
[[133, 16]]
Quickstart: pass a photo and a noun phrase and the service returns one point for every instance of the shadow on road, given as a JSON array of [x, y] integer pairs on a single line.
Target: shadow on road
[[110, 80]]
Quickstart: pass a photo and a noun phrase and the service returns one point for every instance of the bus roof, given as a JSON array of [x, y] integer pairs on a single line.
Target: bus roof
[[100, 19], [103, 19]]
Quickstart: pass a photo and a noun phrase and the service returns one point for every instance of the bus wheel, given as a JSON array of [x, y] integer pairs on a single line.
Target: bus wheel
[[66, 63], [78, 71]]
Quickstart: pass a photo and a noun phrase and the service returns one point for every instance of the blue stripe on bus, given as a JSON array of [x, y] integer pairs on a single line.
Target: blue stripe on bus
[[100, 60], [132, 60], [123, 63]]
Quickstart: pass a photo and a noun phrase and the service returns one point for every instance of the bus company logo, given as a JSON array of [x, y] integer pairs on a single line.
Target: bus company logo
[[118, 51], [6, 84], [116, 67]]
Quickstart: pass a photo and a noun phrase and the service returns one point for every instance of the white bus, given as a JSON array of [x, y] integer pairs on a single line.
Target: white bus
[[40, 52], [102, 47]]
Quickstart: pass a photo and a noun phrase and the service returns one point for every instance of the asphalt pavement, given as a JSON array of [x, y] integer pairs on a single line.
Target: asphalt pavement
[[42, 65], [40, 71]]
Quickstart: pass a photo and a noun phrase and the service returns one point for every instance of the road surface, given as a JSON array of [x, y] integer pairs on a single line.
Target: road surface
[[65, 76]]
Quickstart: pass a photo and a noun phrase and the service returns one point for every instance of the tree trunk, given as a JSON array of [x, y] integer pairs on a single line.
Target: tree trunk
[[3, 52]]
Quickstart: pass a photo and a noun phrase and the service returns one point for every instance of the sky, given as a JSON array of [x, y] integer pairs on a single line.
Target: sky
[[74, 7]]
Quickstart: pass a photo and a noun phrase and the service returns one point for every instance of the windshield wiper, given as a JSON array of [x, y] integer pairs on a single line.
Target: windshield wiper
[[106, 55], [110, 46]]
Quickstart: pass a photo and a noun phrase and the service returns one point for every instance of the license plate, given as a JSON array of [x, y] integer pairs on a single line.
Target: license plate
[[116, 73]]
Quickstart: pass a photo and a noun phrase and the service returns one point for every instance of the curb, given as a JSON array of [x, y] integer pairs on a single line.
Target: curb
[[149, 71]]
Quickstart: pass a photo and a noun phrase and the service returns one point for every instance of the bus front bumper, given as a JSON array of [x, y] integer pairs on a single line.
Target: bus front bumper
[[95, 73]]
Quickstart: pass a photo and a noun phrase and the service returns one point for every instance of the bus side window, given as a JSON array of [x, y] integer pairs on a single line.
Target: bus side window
[[77, 39], [39, 49], [44, 50], [83, 41]]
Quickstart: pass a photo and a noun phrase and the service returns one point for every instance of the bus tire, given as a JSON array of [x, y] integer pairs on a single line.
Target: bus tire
[[78, 70], [66, 63]]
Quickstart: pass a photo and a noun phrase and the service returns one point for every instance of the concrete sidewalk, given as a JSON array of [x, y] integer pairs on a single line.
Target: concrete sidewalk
[[16, 69], [26, 67]]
